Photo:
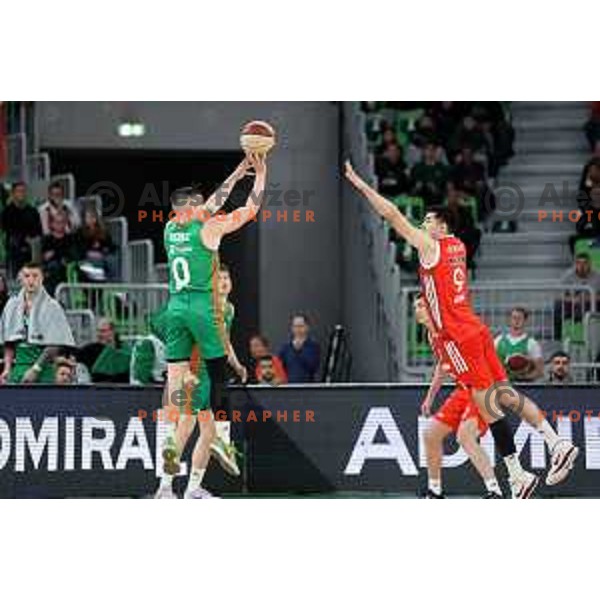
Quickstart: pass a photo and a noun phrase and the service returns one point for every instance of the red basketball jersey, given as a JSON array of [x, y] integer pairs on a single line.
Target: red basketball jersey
[[445, 288], [446, 353]]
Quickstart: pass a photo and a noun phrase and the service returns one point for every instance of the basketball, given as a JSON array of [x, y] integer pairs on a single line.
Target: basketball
[[257, 137], [517, 362]]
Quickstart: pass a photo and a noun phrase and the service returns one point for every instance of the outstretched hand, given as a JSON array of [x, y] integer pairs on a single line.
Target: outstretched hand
[[350, 173], [257, 162]]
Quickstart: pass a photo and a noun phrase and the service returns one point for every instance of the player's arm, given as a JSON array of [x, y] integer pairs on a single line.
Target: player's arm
[[220, 225], [386, 209], [221, 195], [48, 355], [9, 357], [434, 387], [233, 360]]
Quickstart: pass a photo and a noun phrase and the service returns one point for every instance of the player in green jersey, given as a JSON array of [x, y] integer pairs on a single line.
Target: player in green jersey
[[222, 448], [196, 315]]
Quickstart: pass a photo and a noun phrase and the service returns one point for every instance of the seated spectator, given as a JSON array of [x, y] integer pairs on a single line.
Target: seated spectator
[[21, 222], [425, 132], [96, 249], [518, 350], [148, 357], [592, 127], [58, 250], [301, 356], [259, 348], [107, 359], [266, 371], [64, 371], [573, 306], [463, 224], [56, 205], [588, 198], [498, 132], [467, 173], [469, 135], [429, 176], [34, 330], [446, 115], [388, 137], [391, 171], [560, 368]]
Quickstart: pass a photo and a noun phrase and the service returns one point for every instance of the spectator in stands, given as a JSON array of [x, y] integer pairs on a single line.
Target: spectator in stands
[[34, 330], [572, 306], [497, 130], [518, 350], [592, 127], [446, 115], [96, 249], [58, 250], [64, 371], [425, 132], [588, 198], [469, 135], [430, 175], [467, 173], [388, 137], [21, 222], [301, 356], [260, 348], [560, 368], [463, 222], [148, 357], [56, 205], [268, 372], [107, 359], [391, 171]]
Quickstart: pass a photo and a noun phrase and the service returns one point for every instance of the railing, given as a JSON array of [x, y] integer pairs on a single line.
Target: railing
[[67, 181], [556, 317], [127, 305], [16, 147], [140, 258], [83, 325], [118, 229]]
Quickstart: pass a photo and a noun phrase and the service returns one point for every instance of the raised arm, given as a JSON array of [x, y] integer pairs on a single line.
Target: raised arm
[[413, 235], [221, 224], [221, 195]]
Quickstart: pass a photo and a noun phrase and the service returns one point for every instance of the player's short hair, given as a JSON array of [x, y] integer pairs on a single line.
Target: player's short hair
[[582, 256], [442, 215], [33, 265], [520, 309], [183, 194]]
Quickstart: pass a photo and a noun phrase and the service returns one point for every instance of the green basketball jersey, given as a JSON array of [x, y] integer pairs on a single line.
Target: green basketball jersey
[[506, 347], [192, 266]]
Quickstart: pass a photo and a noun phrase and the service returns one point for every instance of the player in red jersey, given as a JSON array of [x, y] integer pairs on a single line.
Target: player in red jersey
[[443, 276], [458, 414]]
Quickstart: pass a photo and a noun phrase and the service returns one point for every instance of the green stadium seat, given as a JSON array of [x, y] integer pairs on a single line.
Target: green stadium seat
[[573, 332]]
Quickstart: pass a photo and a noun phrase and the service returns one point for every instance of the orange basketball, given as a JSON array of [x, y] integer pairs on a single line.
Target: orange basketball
[[257, 137]]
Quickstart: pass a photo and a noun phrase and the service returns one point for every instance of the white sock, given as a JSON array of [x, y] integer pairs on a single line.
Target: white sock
[[195, 480], [435, 485], [224, 431], [515, 470], [491, 485], [550, 436]]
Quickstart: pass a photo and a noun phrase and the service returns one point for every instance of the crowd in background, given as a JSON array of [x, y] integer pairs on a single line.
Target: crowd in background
[[444, 153], [68, 240]]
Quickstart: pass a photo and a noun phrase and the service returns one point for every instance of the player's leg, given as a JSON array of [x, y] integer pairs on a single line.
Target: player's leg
[[434, 437], [201, 456], [468, 437], [477, 372], [562, 452]]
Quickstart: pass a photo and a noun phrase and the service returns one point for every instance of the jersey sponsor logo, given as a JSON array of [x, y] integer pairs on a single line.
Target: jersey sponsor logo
[[178, 237]]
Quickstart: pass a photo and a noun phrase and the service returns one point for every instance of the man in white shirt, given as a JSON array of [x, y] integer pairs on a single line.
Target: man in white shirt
[[520, 352]]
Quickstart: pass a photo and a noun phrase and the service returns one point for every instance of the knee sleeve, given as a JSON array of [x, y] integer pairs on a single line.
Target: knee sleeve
[[503, 437]]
